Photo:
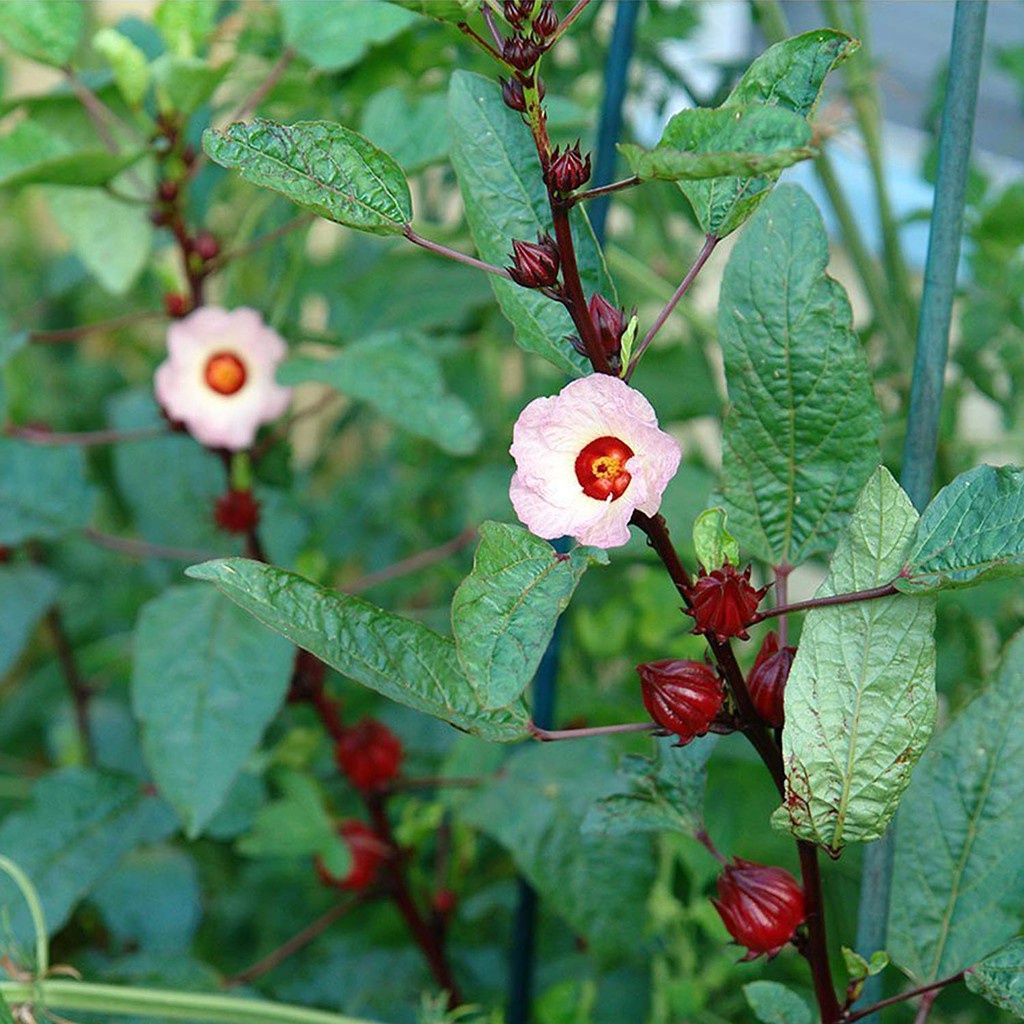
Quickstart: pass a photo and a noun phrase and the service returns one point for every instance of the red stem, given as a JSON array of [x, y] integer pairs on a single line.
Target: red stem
[[903, 996], [781, 598], [413, 563], [134, 548], [452, 254], [603, 190], [887, 590], [547, 735], [816, 952], [79, 689], [63, 334]]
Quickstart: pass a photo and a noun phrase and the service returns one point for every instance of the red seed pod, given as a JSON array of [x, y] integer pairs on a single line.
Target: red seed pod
[[369, 754], [535, 266], [681, 696], [176, 305], [205, 246], [237, 512], [767, 680], [521, 52], [545, 24], [610, 323], [567, 170], [761, 906], [724, 602], [368, 853]]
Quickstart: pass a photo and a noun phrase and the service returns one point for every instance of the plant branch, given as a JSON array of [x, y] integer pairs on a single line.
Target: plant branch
[[604, 190], [452, 254], [781, 608], [134, 548], [480, 41], [257, 243], [85, 438], [547, 735], [99, 113], [298, 941], [260, 93], [887, 590], [78, 687], [816, 952], [566, 22], [64, 334], [691, 275], [413, 563], [902, 997]]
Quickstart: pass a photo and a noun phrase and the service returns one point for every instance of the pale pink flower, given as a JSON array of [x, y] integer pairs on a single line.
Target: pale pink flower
[[587, 458], [218, 378]]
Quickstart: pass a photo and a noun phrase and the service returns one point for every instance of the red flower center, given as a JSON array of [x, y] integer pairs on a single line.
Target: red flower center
[[601, 468], [225, 373]]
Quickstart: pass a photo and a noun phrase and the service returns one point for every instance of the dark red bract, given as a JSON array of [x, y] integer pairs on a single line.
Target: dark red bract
[[237, 512], [761, 906], [369, 754], [767, 680], [521, 52], [681, 696], [610, 323], [368, 853], [535, 265], [725, 602], [568, 169], [546, 22]]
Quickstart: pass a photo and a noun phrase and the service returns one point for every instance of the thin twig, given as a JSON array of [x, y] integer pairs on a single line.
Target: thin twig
[[84, 438], [887, 590], [781, 600], [902, 997], [413, 563], [63, 334], [566, 22], [452, 254], [480, 41], [301, 939], [78, 687], [691, 275], [603, 190], [260, 93], [257, 243], [99, 113], [548, 735], [143, 549]]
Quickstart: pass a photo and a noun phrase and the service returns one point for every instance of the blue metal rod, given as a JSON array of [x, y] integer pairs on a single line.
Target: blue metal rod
[[921, 442]]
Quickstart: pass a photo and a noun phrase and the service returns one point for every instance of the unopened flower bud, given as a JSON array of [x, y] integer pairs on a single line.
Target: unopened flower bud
[[610, 323], [512, 94], [521, 52], [167, 190], [767, 680], [725, 602], [681, 696], [158, 218], [535, 266], [761, 906], [205, 246], [369, 754], [567, 170], [443, 902], [517, 11], [237, 512], [175, 305], [545, 24], [188, 155], [367, 852]]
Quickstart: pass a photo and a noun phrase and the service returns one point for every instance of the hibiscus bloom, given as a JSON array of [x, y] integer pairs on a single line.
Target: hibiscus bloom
[[587, 458], [218, 378]]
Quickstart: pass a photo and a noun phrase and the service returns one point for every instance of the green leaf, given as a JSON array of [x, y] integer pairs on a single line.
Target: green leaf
[[714, 544], [78, 824], [775, 1004], [958, 879], [296, 825], [31, 155], [598, 884], [858, 968], [860, 699], [699, 144], [972, 531], [397, 657], [129, 64], [112, 239], [322, 167], [801, 436], [787, 76], [1000, 978], [11, 342], [334, 36], [184, 84], [206, 682], [413, 129], [6, 1017], [504, 612], [790, 74], [43, 491], [45, 30], [663, 794], [504, 195], [26, 591], [396, 372], [440, 10], [185, 24]]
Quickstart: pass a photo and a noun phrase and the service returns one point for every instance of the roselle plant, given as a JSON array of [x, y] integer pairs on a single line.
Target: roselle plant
[[255, 778]]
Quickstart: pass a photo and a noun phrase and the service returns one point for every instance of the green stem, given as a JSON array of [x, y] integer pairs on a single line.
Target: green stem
[[79, 996], [926, 385], [35, 909]]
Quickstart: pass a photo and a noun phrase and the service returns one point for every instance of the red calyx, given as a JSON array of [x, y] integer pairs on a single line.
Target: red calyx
[[610, 323], [725, 603], [545, 24], [517, 11], [567, 170], [767, 680], [512, 94], [761, 906], [237, 512], [176, 305], [368, 853], [521, 52], [167, 190], [369, 754], [205, 246], [681, 696], [535, 266], [444, 902]]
